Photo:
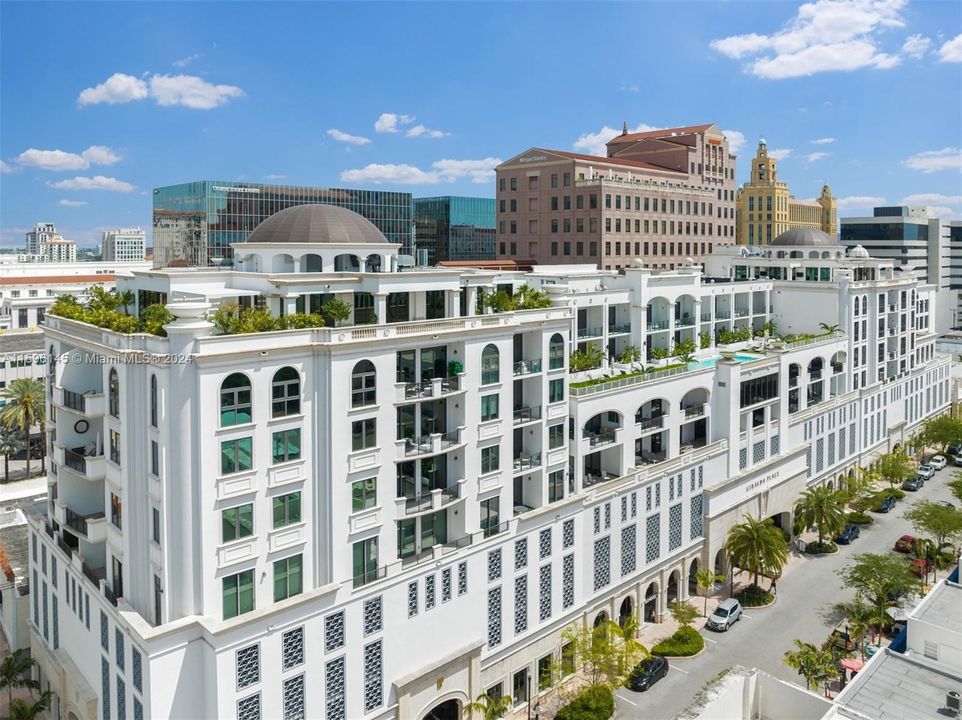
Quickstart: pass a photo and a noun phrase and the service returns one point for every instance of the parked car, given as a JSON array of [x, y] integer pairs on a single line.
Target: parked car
[[920, 479], [904, 544], [958, 460], [938, 462], [725, 615], [945, 503], [912, 484], [954, 450], [920, 567], [647, 673], [888, 502], [926, 471], [847, 535]]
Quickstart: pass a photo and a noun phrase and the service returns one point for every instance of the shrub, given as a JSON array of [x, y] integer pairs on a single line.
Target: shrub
[[858, 518], [686, 641], [594, 703], [754, 596], [825, 547]]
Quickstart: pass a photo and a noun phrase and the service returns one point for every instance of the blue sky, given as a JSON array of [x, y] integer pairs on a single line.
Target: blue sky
[[863, 94]]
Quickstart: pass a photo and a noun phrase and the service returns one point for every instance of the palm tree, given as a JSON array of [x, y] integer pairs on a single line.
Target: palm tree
[[22, 710], [630, 355], [811, 663], [11, 442], [757, 546], [829, 329], [126, 298], [860, 618], [24, 409], [822, 507], [706, 579], [13, 672], [488, 707], [626, 632]]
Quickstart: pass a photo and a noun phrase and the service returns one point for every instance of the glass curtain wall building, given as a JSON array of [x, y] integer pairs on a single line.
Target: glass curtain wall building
[[195, 223], [455, 228]]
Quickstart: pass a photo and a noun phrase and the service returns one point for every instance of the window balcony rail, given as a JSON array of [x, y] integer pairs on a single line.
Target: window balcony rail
[[814, 375], [73, 400], [706, 317], [793, 381], [722, 315], [836, 369], [619, 328], [95, 575], [48, 528], [370, 576], [685, 321], [589, 332], [526, 367], [78, 522], [110, 595], [650, 423], [741, 313], [492, 530], [527, 414], [62, 544], [654, 326], [694, 411], [431, 387], [429, 444], [594, 478], [75, 460], [450, 494], [414, 558], [527, 462], [417, 504], [598, 439]]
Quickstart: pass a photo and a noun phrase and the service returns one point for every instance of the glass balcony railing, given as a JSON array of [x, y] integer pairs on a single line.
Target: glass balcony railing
[[589, 332], [603, 437], [73, 400], [527, 414], [527, 462], [615, 328], [526, 367]]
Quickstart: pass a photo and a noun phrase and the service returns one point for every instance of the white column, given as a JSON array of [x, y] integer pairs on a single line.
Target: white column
[[380, 307]]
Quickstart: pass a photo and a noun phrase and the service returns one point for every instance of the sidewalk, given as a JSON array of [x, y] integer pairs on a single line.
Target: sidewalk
[[23, 489]]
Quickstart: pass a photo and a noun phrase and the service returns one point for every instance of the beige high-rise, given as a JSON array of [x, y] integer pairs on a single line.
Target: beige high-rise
[[661, 196], [766, 208]]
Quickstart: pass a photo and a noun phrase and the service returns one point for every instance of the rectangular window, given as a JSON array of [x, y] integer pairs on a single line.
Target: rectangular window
[[556, 390], [237, 522], [287, 445], [556, 436], [287, 509], [490, 513], [556, 486], [365, 560], [155, 525], [363, 434], [116, 511], [287, 578], [489, 407], [238, 594], [154, 458], [490, 459], [364, 494], [115, 447], [235, 456]]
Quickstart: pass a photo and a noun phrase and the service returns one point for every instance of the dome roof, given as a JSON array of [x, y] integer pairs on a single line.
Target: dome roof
[[312, 224], [804, 237], [858, 252]]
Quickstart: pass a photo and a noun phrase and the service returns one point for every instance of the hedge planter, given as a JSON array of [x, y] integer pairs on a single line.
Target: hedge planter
[[859, 518], [594, 703], [822, 548], [686, 642], [754, 596]]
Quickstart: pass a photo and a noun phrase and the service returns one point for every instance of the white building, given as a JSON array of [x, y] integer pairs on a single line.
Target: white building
[[46, 245], [389, 518], [124, 244]]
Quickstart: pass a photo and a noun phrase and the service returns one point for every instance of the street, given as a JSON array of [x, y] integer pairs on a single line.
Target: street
[[807, 595]]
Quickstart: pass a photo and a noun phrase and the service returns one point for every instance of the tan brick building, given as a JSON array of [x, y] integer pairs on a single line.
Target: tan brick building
[[660, 196], [765, 208]]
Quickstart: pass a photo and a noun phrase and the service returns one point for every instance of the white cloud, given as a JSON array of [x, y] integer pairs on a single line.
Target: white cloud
[[594, 143], [949, 158], [378, 173], [916, 46], [388, 122], [630, 88], [58, 160], [422, 131], [736, 140], [825, 35], [118, 88], [7, 169], [951, 50], [187, 90], [72, 203], [98, 182], [349, 139], [780, 153], [860, 201], [478, 171], [184, 62], [274, 177], [816, 156], [932, 199], [190, 91], [823, 141]]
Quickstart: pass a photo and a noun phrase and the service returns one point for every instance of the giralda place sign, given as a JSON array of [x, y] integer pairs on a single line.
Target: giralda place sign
[[221, 188]]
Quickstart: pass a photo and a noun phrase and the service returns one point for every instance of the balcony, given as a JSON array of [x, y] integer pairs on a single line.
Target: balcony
[[92, 467], [526, 367], [723, 315], [526, 414], [431, 444], [431, 388], [370, 576], [90, 404], [436, 550], [92, 526], [619, 328], [525, 462], [594, 478], [492, 530], [589, 332], [651, 423], [741, 313], [431, 501], [694, 411], [685, 321], [601, 438], [706, 317], [656, 326], [650, 458]]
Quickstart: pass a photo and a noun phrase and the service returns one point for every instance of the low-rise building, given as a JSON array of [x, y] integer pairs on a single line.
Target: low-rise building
[[46, 245], [124, 245]]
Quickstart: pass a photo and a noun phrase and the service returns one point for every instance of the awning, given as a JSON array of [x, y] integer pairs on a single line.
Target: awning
[[853, 664]]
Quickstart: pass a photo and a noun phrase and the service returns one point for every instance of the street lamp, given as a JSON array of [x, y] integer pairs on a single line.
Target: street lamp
[[528, 693], [731, 576]]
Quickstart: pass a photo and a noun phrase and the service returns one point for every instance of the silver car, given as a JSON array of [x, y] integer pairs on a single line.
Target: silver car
[[725, 615]]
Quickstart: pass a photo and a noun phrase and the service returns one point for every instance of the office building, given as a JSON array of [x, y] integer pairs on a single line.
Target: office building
[[916, 241], [766, 208], [452, 228], [389, 517], [123, 244], [46, 245], [661, 197], [195, 224]]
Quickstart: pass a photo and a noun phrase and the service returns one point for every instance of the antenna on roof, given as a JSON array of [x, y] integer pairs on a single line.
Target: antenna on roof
[[624, 128]]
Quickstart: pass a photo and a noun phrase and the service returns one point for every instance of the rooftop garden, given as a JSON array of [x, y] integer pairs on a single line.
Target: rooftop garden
[[102, 308], [524, 298], [652, 370]]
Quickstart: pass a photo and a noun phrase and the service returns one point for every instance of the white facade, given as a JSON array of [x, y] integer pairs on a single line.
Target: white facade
[[123, 244], [46, 245], [462, 499]]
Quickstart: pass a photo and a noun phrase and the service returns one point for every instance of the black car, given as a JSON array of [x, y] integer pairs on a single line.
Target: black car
[[847, 535], [887, 504], [912, 484], [647, 673]]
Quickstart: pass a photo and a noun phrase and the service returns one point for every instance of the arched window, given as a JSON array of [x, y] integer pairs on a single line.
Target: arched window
[[856, 305], [286, 393], [153, 401], [113, 389], [235, 400], [363, 380], [490, 365], [556, 352]]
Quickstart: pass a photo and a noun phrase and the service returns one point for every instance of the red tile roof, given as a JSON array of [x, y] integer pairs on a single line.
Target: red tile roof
[[612, 161], [666, 133], [58, 279]]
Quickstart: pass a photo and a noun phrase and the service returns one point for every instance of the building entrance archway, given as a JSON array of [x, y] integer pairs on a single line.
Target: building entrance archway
[[448, 710], [651, 603]]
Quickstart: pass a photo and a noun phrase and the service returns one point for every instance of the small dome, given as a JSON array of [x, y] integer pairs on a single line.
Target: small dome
[[313, 224], [803, 237], [858, 252]]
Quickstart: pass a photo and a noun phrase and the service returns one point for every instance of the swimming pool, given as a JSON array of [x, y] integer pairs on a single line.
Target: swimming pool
[[739, 357]]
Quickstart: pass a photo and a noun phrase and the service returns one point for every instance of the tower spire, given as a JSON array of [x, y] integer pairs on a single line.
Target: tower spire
[[624, 128]]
